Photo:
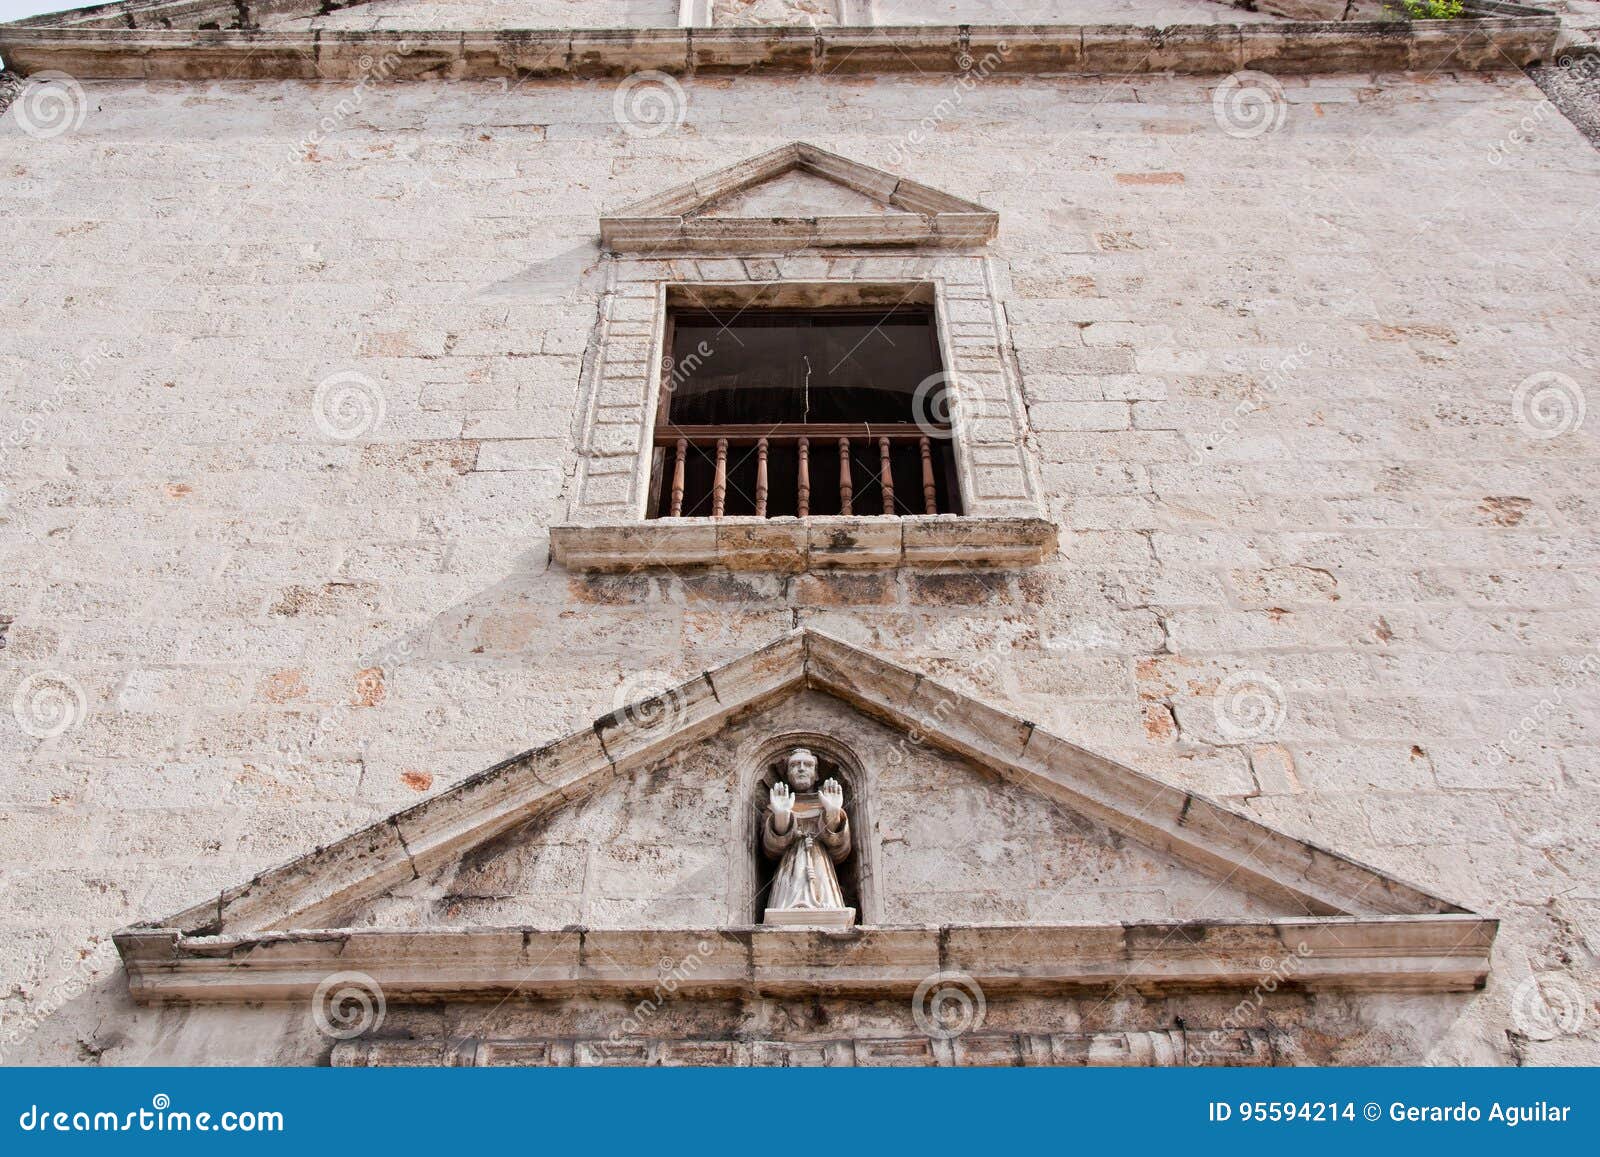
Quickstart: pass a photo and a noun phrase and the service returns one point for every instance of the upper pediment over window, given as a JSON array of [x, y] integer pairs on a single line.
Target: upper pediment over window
[[797, 196]]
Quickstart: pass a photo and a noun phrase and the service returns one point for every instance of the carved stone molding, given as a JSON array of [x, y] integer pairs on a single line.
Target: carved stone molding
[[1441, 953], [1156, 1049]]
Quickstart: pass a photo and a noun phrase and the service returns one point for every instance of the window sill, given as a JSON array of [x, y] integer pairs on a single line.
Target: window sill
[[798, 544]]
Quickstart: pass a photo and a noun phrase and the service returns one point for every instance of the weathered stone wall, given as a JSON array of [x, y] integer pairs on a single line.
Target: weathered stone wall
[[1280, 394]]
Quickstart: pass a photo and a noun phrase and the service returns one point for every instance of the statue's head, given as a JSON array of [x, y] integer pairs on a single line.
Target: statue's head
[[801, 769]]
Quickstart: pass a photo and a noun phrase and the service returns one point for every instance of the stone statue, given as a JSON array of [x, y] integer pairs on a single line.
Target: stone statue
[[807, 832]]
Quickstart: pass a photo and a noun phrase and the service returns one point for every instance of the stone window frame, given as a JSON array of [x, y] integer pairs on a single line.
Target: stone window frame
[[608, 528]]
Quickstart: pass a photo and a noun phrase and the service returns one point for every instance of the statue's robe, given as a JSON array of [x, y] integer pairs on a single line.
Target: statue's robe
[[807, 853]]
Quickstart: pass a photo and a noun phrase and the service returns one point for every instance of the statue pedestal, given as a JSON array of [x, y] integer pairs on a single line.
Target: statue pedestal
[[809, 917]]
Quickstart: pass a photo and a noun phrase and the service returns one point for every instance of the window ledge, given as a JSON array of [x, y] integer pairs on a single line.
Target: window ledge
[[800, 544]]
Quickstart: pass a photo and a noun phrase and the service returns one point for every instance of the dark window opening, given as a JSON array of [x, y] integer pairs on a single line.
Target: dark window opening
[[778, 412]]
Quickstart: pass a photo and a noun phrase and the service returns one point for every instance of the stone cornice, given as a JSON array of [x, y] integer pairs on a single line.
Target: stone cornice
[[1282, 48], [1435, 953]]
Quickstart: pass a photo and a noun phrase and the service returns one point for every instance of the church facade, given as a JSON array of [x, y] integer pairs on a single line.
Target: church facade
[[822, 532]]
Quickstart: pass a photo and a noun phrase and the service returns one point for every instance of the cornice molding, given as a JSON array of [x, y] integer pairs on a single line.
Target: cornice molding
[[1431, 953], [1489, 44]]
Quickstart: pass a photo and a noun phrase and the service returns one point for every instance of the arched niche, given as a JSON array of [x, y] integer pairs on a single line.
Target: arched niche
[[760, 768]]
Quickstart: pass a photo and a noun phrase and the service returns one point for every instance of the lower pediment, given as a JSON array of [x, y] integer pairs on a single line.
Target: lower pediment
[[1433, 953]]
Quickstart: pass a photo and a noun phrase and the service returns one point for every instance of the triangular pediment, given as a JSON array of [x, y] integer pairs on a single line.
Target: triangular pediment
[[797, 196], [477, 868]]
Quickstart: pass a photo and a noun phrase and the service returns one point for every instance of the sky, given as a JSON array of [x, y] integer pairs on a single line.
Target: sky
[[17, 9]]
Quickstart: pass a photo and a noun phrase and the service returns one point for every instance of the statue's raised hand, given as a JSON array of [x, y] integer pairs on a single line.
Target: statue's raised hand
[[832, 796], [782, 803]]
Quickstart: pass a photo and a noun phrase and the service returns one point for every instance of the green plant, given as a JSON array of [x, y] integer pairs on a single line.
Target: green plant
[[1433, 9]]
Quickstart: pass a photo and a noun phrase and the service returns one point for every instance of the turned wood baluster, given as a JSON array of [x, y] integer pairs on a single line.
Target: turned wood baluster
[[845, 488], [761, 478], [677, 477], [719, 488], [930, 495], [804, 483], [886, 470]]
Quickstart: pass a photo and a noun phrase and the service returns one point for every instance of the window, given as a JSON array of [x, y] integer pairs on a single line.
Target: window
[[778, 412]]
